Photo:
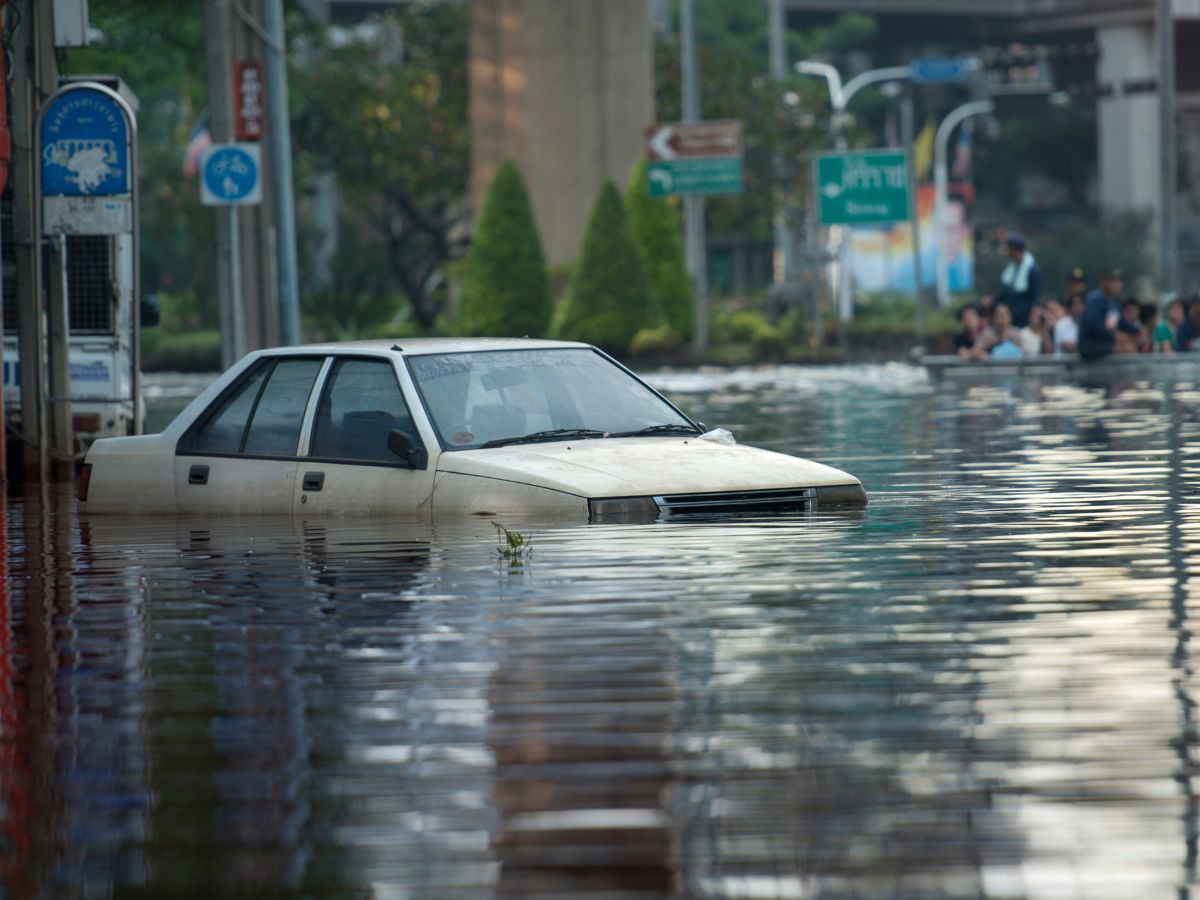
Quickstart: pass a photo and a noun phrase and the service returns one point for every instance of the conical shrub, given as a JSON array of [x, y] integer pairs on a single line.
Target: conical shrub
[[656, 230], [610, 298], [505, 288]]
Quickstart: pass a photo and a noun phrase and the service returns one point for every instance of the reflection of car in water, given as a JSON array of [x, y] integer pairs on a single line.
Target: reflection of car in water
[[444, 428]]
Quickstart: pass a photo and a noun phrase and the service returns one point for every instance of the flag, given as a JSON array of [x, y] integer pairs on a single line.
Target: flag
[[201, 138], [923, 151], [962, 153]]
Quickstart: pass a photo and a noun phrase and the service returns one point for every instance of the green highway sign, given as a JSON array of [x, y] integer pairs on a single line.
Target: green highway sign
[[865, 187], [695, 157], [716, 175]]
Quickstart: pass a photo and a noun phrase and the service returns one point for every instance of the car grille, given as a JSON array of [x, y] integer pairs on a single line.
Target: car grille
[[738, 501]]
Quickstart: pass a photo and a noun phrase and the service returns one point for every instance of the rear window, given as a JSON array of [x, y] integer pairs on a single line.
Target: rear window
[[264, 414]]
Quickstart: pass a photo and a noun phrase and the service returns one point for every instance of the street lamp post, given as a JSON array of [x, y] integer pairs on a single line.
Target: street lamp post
[[940, 178], [839, 97]]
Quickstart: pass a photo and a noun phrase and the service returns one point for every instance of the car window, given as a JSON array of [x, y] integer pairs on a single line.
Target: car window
[[360, 404], [478, 397], [224, 430], [275, 427]]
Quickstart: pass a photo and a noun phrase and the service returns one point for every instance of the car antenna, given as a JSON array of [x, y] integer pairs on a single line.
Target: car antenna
[[397, 347]]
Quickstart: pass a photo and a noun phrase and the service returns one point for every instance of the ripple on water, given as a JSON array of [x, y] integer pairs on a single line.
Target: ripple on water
[[981, 685]]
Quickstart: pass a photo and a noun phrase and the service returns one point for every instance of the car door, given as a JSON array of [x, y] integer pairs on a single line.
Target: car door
[[348, 468], [240, 457]]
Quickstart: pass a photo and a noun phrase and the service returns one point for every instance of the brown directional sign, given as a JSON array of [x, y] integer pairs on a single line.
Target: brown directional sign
[[695, 158], [690, 140]]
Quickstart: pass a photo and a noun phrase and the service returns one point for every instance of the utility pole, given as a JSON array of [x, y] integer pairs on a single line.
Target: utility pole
[[279, 137], [693, 204], [218, 23], [785, 241], [1168, 224], [34, 78]]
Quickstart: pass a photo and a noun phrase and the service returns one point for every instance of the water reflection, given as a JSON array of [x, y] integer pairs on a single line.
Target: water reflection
[[980, 686]]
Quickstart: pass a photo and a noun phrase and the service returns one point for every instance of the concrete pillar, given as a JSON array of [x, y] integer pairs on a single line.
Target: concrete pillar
[[565, 88], [1128, 119]]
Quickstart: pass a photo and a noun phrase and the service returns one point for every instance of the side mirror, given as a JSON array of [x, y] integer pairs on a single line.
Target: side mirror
[[405, 446]]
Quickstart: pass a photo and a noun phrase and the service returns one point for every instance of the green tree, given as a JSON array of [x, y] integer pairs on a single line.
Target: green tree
[[506, 290], [610, 298], [158, 51], [362, 297], [655, 226], [778, 135], [386, 111]]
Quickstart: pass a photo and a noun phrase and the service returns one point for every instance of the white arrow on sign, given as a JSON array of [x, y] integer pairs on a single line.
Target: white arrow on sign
[[663, 178], [832, 190], [661, 143]]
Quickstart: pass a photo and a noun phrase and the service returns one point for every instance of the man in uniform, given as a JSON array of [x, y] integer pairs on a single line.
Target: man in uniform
[[1021, 280]]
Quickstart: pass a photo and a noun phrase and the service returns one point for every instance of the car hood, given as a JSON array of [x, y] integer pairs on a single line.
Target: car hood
[[625, 467]]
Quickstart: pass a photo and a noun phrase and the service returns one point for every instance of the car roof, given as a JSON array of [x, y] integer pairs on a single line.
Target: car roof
[[422, 346]]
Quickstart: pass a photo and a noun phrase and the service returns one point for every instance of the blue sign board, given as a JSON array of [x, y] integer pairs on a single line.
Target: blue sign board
[[230, 173], [935, 70], [85, 138]]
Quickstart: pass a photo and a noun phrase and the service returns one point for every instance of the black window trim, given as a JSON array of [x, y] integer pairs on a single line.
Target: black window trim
[[185, 447], [338, 358]]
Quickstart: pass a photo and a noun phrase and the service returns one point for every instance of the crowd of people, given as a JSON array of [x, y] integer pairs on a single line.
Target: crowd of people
[[1015, 322]]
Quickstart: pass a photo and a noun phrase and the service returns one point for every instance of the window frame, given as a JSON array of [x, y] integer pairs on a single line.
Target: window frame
[[325, 383], [186, 443]]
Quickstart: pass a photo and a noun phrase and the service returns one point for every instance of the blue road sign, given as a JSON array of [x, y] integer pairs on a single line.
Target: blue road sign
[[230, 173], [936, 70], [85, 137]]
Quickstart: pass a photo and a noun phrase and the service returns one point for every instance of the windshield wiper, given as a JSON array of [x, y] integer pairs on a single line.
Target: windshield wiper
[[552, 434], [657, 429]]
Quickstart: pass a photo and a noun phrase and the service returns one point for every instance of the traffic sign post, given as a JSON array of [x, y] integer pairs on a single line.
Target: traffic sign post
[[695, 158], [231, 174], [865, 187]]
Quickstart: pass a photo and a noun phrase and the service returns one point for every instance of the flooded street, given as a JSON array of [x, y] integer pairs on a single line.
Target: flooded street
[[982, 685]]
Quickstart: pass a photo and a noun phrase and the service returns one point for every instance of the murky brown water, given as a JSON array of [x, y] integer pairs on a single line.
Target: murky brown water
[[981, 686]]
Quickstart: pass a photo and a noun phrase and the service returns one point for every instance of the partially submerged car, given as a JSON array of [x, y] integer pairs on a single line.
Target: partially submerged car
[[436, 428]]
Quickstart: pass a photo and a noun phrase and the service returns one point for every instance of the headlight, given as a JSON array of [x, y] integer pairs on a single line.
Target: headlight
[[623, 509], [842, 495]]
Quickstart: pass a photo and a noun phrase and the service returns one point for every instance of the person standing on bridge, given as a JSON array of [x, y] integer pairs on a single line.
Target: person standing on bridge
[[1021, 280], [1102, 317]]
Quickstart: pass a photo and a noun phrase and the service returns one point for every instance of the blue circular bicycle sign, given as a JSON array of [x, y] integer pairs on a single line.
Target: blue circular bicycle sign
[[231, 173]]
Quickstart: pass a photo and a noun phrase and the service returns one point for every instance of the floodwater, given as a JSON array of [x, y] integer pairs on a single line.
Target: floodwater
[[981, 686]]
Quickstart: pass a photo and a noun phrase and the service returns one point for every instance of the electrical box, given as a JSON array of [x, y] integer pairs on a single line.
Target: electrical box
[[70, 23]]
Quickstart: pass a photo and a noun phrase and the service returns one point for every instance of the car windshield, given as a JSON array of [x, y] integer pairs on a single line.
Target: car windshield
[[496, 397]]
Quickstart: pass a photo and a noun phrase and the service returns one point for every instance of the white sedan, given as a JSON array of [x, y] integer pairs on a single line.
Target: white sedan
[[438, 428]]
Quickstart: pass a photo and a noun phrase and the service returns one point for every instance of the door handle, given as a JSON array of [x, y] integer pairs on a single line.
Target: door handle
[[198, 475], [314, 481]]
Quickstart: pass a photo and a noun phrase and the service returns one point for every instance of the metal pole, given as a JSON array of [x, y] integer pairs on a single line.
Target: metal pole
[[940, 178], [279, 138], [35, 75], [62, 436], [907, 129], [218, 55], [1168, 225], [693, 204], [785, 242], [237, 319]]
